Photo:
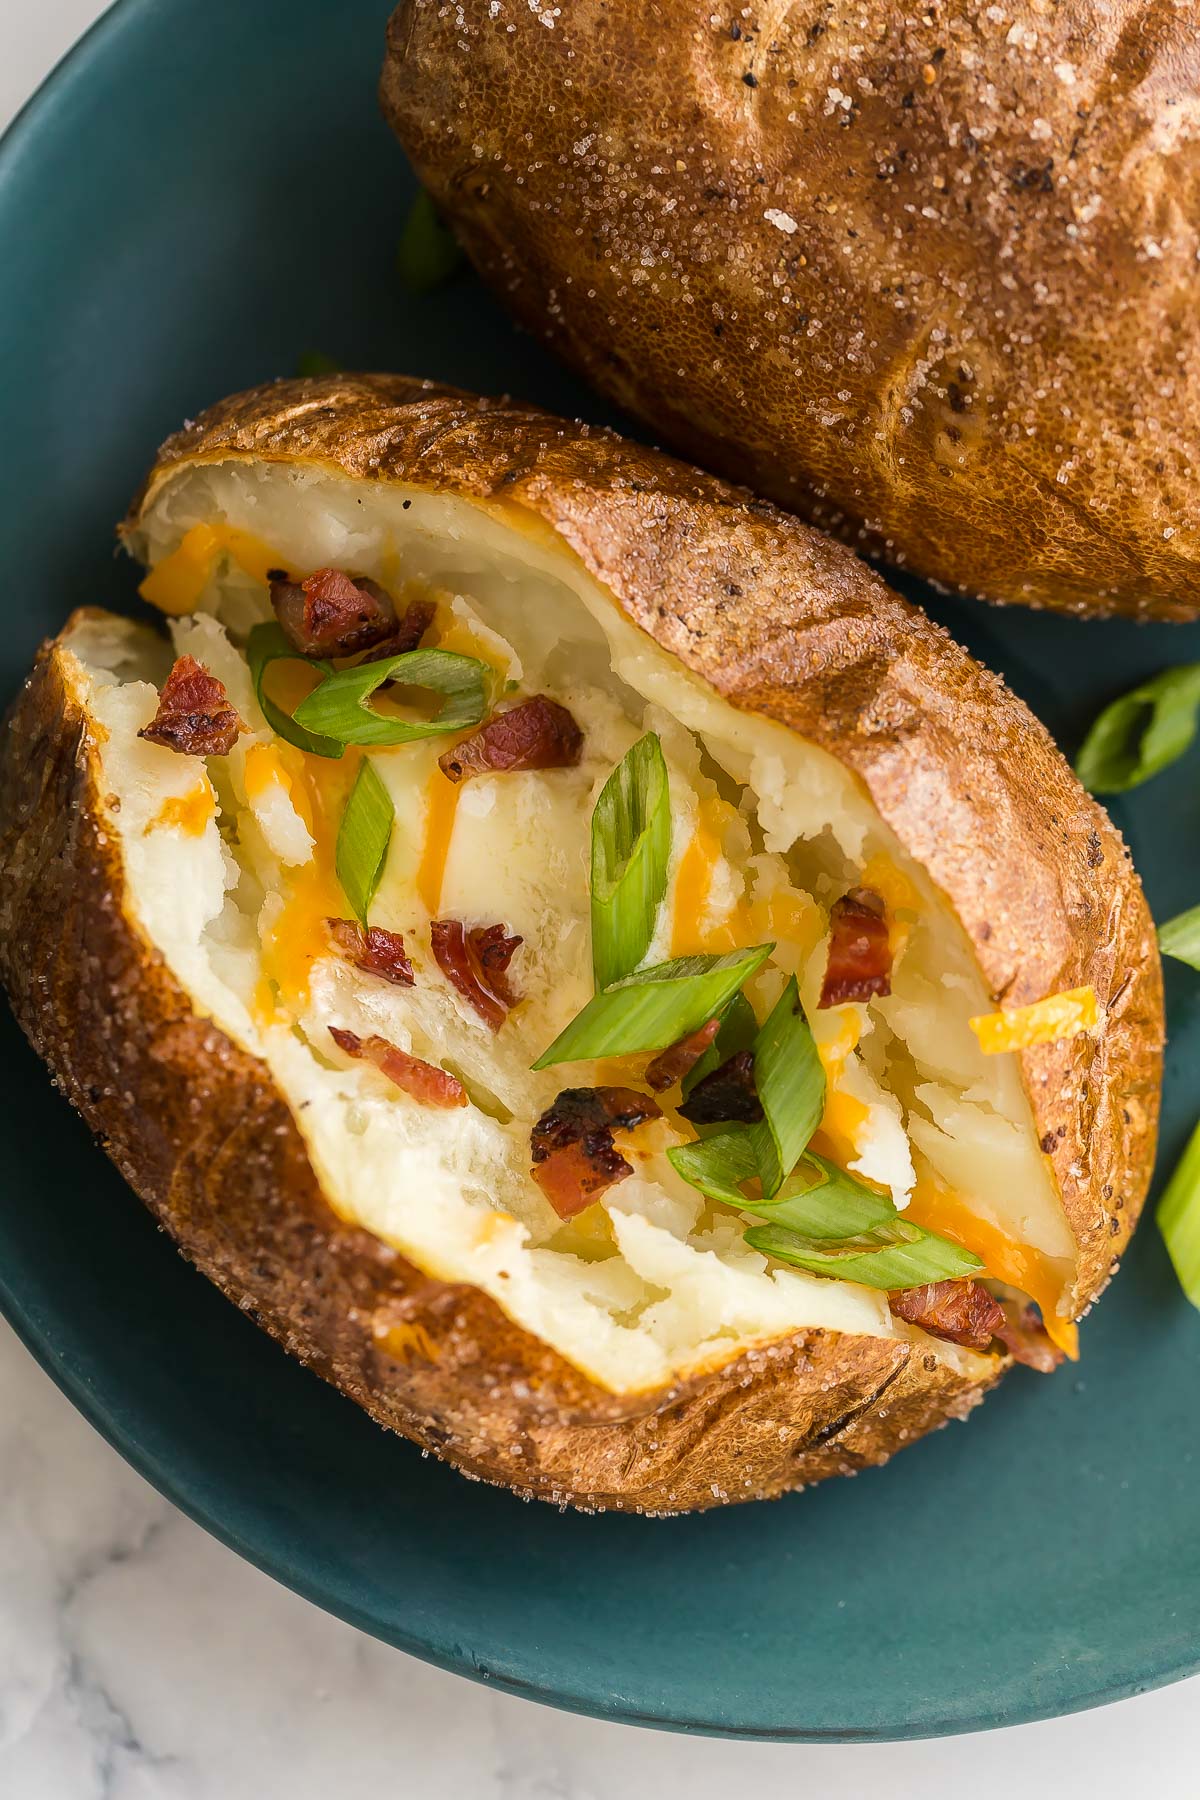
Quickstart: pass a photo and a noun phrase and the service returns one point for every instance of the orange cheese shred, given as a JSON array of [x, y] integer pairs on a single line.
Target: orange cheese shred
[[176, 583], [938, 1209], [692, 932], [188, 812], [319, 789], [440, 809], [1045, 1022]]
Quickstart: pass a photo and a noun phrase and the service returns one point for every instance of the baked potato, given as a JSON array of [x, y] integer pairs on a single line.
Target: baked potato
[[930, 279], [294, 950]]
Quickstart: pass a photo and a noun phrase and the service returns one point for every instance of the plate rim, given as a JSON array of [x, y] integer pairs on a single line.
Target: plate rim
[[102, 1414]]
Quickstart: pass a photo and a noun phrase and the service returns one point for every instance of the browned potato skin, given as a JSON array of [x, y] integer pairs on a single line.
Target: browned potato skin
[[968, 778], [976, 354]]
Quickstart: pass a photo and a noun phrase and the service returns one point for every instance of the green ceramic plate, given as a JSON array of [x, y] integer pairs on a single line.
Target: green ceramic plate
[[198, 196]]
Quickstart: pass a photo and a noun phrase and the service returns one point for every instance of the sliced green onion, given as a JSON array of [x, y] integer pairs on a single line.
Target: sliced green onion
[[428, 253], [718, 1164], [1179, 1219], [631, 847], [892, 1256], [791, 1086], [315, 362], [739, 1028], [655, 1007], [338, 708], [266, 645], [1141, 732], [834, 1206], [1180, 937], [363, 839]]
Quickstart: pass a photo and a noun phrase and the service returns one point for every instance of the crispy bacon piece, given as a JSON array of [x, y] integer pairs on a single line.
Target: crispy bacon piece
[[423, 1081], [194, 716], [962, 1311], [574, 1157], [1026, 1339], [329, 614], [373, 950], [728, 1095], [673, 1063], [537, 734], [860, 951], [476, 963], [418, 616]]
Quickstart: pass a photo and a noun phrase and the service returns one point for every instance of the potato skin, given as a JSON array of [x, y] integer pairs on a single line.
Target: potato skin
[[782, 621], [928, 277]]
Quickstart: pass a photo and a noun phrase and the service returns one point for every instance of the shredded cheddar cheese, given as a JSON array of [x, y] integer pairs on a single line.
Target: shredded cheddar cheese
[[319, 790], [441, 806], [938, 1209], [844, 1115], [176, 583], [692, 931], [1045, 1022], [188, 812]]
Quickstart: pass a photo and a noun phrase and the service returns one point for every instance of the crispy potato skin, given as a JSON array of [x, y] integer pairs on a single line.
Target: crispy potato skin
[[929, 278], [785, 623], [199, 1130]]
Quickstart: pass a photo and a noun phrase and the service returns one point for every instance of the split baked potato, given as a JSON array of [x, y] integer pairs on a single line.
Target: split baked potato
[[294, 941], [929, 278]]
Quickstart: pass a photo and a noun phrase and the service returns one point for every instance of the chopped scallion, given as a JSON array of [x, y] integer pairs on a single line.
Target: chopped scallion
[[1180, 937], [655, 1007], [363, 839], [1141, 732], [1179, 1218], [428, 252], [631, 847], [338, 708], [892, 1256], [266, 645]]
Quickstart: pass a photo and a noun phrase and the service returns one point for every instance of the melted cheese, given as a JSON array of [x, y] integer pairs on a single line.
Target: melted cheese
[[938, 1209], [1045, 1022], [189, 812], [844, 1115], [175, 585], [297, 937], [692, 931], [441, 806]]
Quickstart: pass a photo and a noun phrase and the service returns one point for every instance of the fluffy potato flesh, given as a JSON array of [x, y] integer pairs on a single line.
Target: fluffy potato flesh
[[230, 875]]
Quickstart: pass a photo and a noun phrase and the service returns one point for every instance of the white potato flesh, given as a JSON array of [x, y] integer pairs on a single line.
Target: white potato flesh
[[654, 1282]]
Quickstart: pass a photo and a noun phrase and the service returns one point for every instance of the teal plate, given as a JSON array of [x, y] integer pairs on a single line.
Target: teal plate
[[198, 196]]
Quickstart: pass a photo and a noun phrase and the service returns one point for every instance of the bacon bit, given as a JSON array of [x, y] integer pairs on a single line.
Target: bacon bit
[[962, 1311], [476, 963], [537, 734], [678, 1059], [418, 617], [1025, 1338], [728, 1095], [373, 950], [860, 952], [574, 1156], [329, 614], [194, 716], [421, 1080]]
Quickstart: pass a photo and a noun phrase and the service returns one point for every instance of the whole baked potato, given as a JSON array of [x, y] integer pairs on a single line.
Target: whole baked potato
[[362, 986], [931, 279]]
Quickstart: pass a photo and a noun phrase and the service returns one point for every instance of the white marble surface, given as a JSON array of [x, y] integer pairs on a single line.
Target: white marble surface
[[140, 1660]]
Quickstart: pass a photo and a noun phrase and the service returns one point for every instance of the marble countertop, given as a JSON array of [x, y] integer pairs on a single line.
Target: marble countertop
[[141, 1660]]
